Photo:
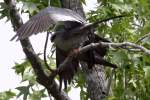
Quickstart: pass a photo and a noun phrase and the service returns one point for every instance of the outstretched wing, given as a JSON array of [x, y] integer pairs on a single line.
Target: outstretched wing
[[45, 19]]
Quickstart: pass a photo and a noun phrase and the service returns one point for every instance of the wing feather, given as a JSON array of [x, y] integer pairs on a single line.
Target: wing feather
[[34, 29], [24, 29], [28, 30], [29, 27], [45, 19]]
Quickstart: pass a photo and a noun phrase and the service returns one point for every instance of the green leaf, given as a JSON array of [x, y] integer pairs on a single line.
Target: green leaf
[[55, 3], [30, 7], [80, 80], [7, 95], [4, 12], [146, 40], [20, 68], [83, 95], [29, 76], [37, 95], [120, 57], [83, 1], [111, 98], [24, 90], [133, 82]]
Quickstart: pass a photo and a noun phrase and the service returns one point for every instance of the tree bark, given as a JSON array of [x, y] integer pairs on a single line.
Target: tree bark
[[95, 78]]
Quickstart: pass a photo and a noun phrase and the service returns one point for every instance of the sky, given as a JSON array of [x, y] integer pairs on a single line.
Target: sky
[[11, 51]]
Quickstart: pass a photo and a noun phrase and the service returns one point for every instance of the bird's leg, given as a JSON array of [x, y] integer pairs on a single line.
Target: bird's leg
[[68, 59]]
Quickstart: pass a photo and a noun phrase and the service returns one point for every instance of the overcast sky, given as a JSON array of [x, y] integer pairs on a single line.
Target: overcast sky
[[11, 51]]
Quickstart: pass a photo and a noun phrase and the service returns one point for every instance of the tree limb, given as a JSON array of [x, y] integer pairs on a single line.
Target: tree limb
[[42, 78], [125, 45]]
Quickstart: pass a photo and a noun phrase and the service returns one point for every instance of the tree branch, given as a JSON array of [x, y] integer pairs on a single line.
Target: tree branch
[[42, 78], [125, 45], [143, 37]]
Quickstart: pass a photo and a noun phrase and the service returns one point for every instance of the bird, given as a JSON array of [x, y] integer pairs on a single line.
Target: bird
[[62, 20]]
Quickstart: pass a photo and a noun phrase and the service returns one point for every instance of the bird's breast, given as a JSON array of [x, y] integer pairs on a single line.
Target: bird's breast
[[69, 43]]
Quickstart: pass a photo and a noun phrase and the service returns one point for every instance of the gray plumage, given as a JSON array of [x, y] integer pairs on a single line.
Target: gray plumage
[[45, 19]]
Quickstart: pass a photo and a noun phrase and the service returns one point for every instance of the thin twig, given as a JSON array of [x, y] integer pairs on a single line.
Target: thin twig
[[142, 38], [125, 44], [110, 81]]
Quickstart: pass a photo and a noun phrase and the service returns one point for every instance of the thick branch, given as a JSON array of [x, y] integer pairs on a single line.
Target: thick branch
[[50, 85], [124, 45]]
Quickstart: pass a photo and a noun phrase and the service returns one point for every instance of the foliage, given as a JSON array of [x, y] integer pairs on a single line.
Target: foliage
[[3, 11], [7, 95], [131, 80]]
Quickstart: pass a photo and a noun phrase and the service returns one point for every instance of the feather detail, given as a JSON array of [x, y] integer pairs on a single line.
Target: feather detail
[[46, 19]]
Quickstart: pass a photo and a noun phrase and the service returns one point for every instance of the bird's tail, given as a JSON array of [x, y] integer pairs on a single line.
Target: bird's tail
[[69, 69]]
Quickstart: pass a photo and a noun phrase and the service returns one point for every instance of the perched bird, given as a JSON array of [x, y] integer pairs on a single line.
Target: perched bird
[[63, 21]]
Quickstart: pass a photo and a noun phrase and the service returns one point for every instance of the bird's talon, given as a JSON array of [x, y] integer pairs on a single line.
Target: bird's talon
[[74, 52]]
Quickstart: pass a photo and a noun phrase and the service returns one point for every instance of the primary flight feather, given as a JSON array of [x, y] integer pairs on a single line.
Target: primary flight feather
[[45, 19]]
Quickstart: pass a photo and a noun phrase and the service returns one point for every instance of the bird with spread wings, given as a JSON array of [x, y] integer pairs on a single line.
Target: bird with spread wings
[[63, 20]]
